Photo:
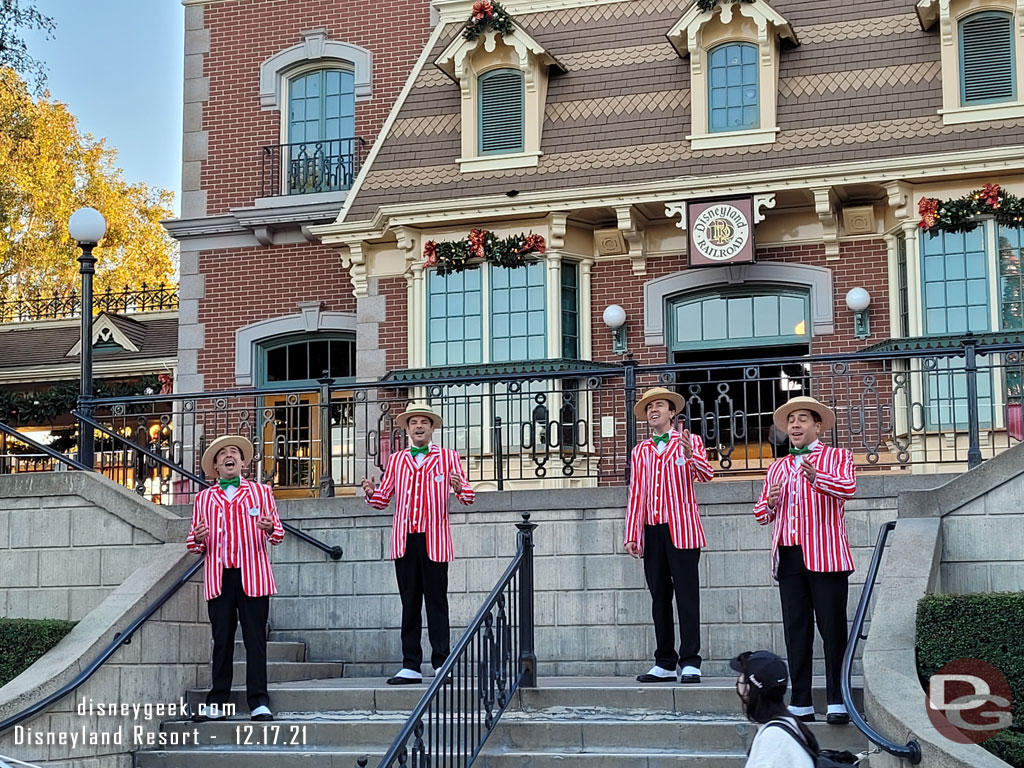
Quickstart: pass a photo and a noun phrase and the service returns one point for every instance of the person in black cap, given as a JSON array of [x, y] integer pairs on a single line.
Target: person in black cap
[[761, 686]]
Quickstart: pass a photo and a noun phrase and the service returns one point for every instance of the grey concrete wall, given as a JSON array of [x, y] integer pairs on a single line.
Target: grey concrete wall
[[78, 546], [592, 609]]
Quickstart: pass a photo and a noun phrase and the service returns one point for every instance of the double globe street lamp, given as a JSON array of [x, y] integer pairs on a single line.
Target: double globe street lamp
[[86, 227]]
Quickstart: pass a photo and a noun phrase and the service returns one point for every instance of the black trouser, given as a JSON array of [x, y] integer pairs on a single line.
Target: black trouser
[[231, 607], [421, 579], [809, 597], [669, 572]]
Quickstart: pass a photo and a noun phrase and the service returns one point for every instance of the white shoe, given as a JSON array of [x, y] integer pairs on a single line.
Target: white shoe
[[406, 677], [207, 712], [688, 674], [262, 713], [657, 674]]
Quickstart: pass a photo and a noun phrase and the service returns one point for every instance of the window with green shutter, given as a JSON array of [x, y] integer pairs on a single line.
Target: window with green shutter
[[502, 105], [986, 58]]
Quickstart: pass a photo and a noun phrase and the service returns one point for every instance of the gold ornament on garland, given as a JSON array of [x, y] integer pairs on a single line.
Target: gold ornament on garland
[[481, 245], [487, 15], [962, 214]]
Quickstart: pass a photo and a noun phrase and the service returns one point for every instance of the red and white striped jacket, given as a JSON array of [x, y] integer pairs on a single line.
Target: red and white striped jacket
[[421, 504], [811, 516], [234, 540], [661, 490]]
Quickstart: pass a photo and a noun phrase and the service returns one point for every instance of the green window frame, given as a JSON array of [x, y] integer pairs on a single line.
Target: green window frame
[[518, 316], [902, 285], [455, 318], [987, 71], [321, 106], [502, 105], [733, 91], [1011, 280], [301, 360], [570, 298], [762, 317]]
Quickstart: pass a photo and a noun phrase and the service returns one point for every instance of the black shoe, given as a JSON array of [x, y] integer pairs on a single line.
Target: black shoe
[[837, 718], [805, 718], [689, 678], [649, 678], [403, 681]]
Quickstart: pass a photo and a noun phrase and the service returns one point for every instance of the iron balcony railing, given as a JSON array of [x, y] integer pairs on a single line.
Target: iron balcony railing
[[949, 407], [147, 298], [490, 662], [300, 168]]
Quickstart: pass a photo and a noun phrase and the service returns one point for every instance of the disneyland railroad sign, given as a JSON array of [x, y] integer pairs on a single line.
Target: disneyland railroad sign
[[720, 232]]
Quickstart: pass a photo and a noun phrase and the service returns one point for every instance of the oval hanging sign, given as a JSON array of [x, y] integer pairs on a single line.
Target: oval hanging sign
[[721, 232]]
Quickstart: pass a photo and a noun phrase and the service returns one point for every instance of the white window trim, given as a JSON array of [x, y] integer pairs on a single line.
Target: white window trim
[[948, 14], [105, 327], [465, 60], [757, 23], [317, 52]]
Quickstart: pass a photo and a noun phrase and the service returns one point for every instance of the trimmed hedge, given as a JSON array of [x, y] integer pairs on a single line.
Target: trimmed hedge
[[979, 626], [22, 641]]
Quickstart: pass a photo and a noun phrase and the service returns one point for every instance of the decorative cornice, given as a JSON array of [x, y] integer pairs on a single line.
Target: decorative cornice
[[685, 34], [825, 207]]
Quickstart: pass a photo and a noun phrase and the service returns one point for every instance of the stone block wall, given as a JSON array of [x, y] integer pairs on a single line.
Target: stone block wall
[[592, 605]]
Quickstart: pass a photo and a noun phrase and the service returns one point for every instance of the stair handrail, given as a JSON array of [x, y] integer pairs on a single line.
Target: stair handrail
[[334, 552], [7, 429], [123, 637], [503, 667], [910, 751]]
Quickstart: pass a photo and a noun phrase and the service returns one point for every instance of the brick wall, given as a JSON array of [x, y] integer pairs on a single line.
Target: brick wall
[[245, 33], [245, 285], [394, 334]]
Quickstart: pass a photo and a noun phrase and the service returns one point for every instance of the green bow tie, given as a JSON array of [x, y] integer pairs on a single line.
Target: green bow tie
[[228, 481], [799, 451], [421, 451], [659, 439]]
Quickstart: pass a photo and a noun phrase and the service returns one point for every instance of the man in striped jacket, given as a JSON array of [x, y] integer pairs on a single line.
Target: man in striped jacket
[[233, 521], [421, 478], [663, 527], [804, 496]]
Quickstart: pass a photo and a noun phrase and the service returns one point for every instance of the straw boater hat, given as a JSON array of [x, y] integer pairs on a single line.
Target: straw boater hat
[[657, 393], [241, 443], [417, 409], [828, 416]]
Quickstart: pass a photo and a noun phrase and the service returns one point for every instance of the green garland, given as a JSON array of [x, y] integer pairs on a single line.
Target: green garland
[[962, 214], [46, 406], [707, 5], [458, 255], [488, 15]]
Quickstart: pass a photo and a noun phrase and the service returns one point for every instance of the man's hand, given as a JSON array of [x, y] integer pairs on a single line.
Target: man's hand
[[201, 533], [456, 480], [633, 549], [774, 490], [369, 486], [687, 447], [265, 523], [809, 472]]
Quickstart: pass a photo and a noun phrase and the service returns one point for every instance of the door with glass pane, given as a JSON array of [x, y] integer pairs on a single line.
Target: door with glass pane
[[729, 403], [321, 131]]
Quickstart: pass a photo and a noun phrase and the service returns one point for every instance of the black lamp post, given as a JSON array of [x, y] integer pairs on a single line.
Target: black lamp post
[[87, 227]]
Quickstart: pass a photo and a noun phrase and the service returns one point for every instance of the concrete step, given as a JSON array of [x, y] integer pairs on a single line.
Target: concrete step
[[563, 731], [276, 651], [286, 671], [372, 695]]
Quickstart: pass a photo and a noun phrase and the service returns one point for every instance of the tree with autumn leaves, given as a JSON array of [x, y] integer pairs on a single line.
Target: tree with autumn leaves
[[48, 169]]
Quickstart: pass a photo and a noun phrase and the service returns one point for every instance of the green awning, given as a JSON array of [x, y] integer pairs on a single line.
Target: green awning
[[918, 343], [522, 367]]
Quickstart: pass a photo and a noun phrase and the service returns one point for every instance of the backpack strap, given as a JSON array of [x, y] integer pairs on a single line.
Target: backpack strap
[[797, 734]]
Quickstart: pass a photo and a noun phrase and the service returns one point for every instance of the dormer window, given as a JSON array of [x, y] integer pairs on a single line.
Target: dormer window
[[502, 118], [733, 50], [979, 41]]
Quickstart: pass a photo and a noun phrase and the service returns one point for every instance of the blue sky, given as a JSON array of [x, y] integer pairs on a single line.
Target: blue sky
[[117, 64]]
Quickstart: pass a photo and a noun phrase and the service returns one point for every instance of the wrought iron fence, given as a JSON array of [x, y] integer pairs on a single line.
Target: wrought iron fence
[[490, 662], [147, 298], [941, 408], [300, 168]]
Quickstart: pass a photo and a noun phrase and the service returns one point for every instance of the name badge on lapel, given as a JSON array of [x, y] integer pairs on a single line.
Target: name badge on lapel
[[681, 460], [438, 478], [254, 512]]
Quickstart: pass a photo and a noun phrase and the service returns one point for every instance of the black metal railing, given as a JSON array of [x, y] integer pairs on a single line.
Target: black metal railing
[[156, 298], [490, 662], [912, 749], [299, 168], [947, 407]]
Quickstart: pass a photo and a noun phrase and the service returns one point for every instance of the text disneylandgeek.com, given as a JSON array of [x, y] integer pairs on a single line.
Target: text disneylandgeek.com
[[142, 730]]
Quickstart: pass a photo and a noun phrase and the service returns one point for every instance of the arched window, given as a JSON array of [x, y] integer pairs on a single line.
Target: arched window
[[502, 105], [750, 319], [733, 88], [302, 360], [986, 58], [321, 131]]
